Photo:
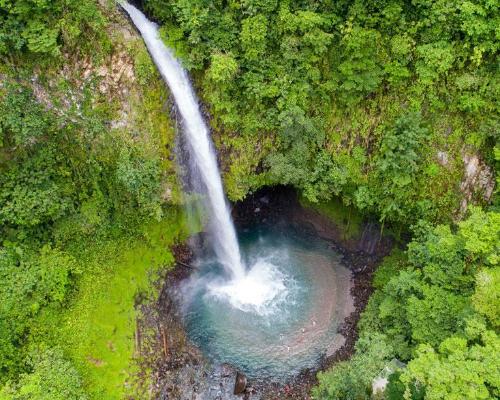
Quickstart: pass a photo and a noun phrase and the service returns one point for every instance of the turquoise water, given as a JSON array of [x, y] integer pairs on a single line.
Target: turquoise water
[[283, 318]]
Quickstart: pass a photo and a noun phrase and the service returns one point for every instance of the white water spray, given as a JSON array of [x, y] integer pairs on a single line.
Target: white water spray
[[196, 132]]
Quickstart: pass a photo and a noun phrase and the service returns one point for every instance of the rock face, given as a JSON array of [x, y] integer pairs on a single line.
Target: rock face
[[370, 238], [378, 386], [240, 384], [380, 382], [478, 182]]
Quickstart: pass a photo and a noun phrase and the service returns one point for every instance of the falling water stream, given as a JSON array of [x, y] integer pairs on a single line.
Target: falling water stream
[[273, 308], [196, 133]]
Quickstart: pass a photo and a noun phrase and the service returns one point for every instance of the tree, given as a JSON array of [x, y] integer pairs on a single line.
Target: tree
[[435, 316], [463, 367], [486, 298], [481, 235], [253, 37], [223, 68], [30, 282], [41, 26], [51, 377], [34, 192], [399, 163], [359, 70], [353, 379], [432, 295]]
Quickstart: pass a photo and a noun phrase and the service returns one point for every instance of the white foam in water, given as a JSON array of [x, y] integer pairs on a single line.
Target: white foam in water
[[260, 290]]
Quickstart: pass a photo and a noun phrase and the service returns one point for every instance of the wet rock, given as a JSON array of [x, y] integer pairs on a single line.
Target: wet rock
[[240, 384], [370, 239]]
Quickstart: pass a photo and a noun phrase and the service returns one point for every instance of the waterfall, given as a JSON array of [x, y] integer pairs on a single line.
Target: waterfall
[[201, 151]]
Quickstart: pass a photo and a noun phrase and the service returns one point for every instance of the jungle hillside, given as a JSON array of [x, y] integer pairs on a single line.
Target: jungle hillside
[[384, 111]]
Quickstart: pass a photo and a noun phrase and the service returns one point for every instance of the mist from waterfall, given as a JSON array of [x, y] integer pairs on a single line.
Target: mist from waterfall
[[203, 162]]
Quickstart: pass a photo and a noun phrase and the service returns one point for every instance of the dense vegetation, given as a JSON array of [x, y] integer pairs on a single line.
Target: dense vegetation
[[435, 307], [86, 197], [348, 98], [373, 102]]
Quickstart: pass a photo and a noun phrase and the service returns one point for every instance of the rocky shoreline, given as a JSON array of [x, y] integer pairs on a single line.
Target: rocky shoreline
[[170, 367]]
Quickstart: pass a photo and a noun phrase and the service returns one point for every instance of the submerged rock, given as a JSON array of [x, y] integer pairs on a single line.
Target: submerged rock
[[240, 384]]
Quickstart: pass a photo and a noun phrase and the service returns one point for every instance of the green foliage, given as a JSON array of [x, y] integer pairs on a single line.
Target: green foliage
[[96, 329], [69, 182], [43, 27], [397, 167], [23, 121], [427, 306], [486, 298], [343, 100], [357, 98], [223, 68], [77, 175], [401, 149], [144, 67], [451, 259], [352, 379], [140, 175], [391, 266], [30, 282], [463, 367], [359, 64], [481, 233], [34, 192], [395, 388], [434, 60], [436, 315], [253, 37], [333, 175], [51, 377], [428, 300], [392, 309]]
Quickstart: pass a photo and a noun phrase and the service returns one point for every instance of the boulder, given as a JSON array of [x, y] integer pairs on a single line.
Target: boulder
[[240, 384]]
